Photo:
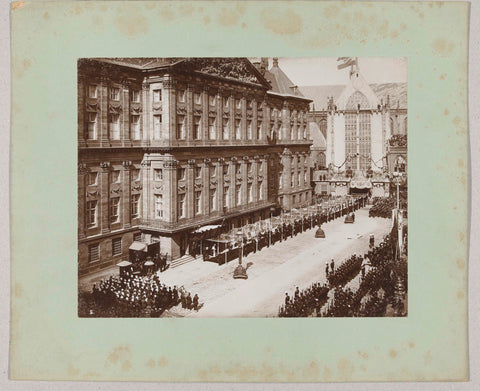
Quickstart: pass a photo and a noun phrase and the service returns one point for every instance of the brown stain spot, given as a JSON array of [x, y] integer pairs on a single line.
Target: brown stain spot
[[442, 47], [460, 295], [206, 19], [442, 76], [456, 121], [17, 5], [162, 362], [17, 290], [78, 10], [166, 13], [446, 112], [151, 363], [118, 354], [132, 25], [126, 365], [428, 357], [46, 15], [26, 63], [346, 368], [240, 8], [461, 236], [393, 353], [227, 17], [282, 22], [363, 355], [460, 163], [72, 371], [461, 263], [244, 25], [411, 345], [312, 370], [90, 375]]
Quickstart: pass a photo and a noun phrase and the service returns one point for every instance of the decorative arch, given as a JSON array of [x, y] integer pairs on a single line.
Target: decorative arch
[[356, 99]]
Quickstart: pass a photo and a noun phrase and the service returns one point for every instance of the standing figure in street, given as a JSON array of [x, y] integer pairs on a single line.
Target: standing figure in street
[[326, 268], [332, 265]]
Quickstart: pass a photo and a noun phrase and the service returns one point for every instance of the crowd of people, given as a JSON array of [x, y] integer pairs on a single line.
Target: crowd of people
[[132, 295], [306, 302]]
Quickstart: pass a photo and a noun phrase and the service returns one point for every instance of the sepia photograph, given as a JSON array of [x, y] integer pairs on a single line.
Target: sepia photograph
[[242, 187]]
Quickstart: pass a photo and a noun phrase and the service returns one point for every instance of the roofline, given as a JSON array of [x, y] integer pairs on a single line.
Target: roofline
[[289, 96]]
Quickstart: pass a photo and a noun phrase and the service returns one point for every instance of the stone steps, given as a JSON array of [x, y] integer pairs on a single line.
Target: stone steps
[[182, 261]]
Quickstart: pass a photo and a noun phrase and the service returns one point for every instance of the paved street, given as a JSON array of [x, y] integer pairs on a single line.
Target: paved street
[[298, 261]]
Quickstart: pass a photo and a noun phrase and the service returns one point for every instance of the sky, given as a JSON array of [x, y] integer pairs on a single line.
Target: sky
[[323, 70]]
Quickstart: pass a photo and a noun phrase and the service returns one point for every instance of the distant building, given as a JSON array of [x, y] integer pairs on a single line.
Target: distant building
[[167, 146], [359, 133]]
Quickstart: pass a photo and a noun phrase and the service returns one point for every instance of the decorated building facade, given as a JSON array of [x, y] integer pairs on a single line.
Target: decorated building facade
[[359, 133], [167, 146]]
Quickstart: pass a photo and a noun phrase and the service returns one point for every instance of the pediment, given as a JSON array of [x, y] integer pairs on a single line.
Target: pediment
[[235, 68]]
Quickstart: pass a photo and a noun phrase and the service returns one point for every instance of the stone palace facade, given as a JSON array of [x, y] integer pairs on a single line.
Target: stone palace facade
[[168, 145]]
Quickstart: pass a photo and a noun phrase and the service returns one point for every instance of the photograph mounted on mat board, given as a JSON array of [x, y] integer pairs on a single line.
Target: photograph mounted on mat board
[[204, 180], [144, 180]]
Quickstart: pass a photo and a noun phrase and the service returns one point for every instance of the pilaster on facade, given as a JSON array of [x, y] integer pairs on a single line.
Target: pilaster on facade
[[82, 174], [169, 107], [125, 123], [105, 197], [146, 113], [190, 189], [126, 190], [170, 179], [189, 136], [103, 130]]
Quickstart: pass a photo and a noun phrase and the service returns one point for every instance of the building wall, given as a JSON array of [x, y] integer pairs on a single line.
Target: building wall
[[134, 130]]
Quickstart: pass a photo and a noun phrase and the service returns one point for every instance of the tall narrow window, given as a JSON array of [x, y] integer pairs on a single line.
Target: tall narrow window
[[238, 192], [280, 180], [292, 132], [213, 171], [249, 130], [197, 98], [198, 172], [157, 127], [239, 103], [197, 127], [92, 91], [135, 205], [238, 129], [238, 169], [226, 129], [249, 167], [115, 93], [158, 206], [212, 100], [181, 95], [181, 173], [92, 125], [260, 190], [211, 128], [226, 197], [115, 176], [135, 174], [158, 174], [300, 131], [157, 96], [181, 205], [180, 127], [115, 126], [198, 202], [91, 213], [213, 199], [135, 118], [250, 192], [225, 169], [93, 252], [259, 130], [116, 246], [225, 102], [92, 178], [135, 96], [114, 209]]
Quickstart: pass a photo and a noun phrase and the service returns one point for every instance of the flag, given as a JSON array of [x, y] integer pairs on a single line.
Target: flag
[[346, 62]]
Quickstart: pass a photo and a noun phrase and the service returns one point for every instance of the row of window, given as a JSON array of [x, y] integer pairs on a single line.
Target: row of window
[[292, 178], [181, 205], [114, 215], [92, 176]]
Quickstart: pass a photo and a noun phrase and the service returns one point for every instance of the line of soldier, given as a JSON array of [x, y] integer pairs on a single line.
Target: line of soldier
[[306, 302]]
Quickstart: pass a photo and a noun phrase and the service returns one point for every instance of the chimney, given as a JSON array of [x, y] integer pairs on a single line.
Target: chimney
[[275, 62], [263, 65]]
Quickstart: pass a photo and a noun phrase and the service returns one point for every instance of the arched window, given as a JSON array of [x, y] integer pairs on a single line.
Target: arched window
[[400, 164], [356, 99]]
